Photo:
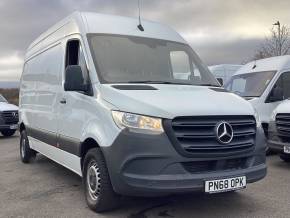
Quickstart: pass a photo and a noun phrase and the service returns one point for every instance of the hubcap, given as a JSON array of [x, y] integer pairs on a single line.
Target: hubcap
[[94, 180]]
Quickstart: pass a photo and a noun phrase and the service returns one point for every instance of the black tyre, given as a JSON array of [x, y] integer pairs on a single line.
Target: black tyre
[[26, 153], [8, 132], [285, 157], [99, 192], [268, 151]]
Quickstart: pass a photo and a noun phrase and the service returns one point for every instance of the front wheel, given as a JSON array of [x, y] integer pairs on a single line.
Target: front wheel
[[26, 153], [285, 157], [8, 132], [99, 192]]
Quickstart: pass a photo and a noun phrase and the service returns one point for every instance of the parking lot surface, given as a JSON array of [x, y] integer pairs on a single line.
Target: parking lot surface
[[46, 189]]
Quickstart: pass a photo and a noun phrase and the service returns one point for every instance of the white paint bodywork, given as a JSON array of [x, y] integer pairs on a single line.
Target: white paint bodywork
[[280, 65], [7, 107], [63, 158], [170, 101], [283, 108], [84, 117]]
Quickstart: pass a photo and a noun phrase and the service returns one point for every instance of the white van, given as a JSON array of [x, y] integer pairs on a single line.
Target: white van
[[223, 72], [99, 96], [8, 117], [279, 131], [265, 83]]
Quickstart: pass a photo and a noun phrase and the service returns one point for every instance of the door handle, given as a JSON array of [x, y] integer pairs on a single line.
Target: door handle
[[63, 101]]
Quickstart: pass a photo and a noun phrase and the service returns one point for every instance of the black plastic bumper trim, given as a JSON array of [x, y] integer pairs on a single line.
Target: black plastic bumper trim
[[64, 143]]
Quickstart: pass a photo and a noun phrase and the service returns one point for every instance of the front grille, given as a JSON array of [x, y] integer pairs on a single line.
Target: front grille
[[283, 126], [216, 165], [9, 117], [197, 135]]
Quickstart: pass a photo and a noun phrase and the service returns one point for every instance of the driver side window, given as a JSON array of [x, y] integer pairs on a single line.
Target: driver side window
[[77, 79], [75, 56]]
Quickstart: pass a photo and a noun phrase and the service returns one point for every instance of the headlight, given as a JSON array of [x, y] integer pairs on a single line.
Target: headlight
[[258, 120], [138, 123]]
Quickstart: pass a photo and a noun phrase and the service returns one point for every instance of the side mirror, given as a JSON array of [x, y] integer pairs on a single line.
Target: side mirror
[[276, 94], [74, 80], [221, 81]]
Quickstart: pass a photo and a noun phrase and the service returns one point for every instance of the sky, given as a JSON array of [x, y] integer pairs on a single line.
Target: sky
[[220, 31]]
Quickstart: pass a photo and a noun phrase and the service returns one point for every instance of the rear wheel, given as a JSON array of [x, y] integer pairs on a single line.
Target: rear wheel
[[26, 153], [99, 192], [8, 132], [285, 157]]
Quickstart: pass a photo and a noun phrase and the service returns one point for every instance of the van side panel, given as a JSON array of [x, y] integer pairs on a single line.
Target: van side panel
[[48, 88], [40, 96], [53, 36], [27, 96], [46, 70]]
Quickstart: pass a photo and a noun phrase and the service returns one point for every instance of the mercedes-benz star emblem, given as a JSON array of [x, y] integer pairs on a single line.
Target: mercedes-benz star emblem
[[224, 132]]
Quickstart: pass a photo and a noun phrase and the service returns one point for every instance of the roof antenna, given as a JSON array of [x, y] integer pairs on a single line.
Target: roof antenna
[[140, 27], [255, 65]]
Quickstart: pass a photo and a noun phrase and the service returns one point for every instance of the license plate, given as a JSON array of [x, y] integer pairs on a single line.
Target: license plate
[[287, 149], [14, 126], [225, 185]]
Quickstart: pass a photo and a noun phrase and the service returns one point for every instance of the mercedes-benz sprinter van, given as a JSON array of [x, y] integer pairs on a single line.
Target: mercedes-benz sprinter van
[[8, 117], [279, 131], [100, 96], [265, 83]]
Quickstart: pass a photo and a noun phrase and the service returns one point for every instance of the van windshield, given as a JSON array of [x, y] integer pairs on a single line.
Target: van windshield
[[250, 84], [2, 99], [127, 59]]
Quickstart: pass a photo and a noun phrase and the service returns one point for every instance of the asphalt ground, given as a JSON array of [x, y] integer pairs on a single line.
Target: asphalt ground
[[46, 189]]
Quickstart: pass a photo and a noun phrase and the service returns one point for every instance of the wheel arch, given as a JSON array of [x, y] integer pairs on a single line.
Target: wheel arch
[[86, 145], [21, 127]]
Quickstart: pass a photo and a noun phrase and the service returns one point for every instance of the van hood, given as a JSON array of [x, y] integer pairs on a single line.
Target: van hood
[[284, 107], [7, 107], [254, 101], [169, 101]]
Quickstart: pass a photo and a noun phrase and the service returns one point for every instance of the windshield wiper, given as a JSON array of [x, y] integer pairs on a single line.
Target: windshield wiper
[[210, 85], [249, 96]]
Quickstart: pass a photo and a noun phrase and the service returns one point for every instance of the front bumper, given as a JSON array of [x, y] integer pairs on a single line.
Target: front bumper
[[8, 127], [274, 141], [149, 165]]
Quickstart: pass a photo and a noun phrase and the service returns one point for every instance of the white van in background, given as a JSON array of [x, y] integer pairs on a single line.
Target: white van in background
[[8, 117], [115, 104], [265, 83], [224, 72], [279, 131]]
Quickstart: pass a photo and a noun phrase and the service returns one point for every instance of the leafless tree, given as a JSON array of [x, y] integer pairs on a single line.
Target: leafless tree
[[277, 44]]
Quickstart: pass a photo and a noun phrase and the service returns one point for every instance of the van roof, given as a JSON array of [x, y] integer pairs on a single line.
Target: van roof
[[88, 22], [268, 64]]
